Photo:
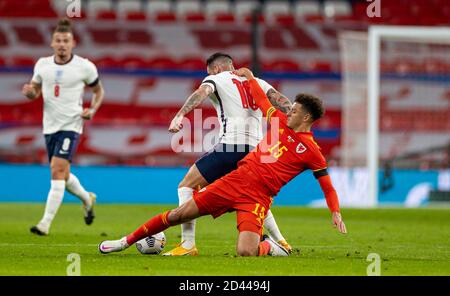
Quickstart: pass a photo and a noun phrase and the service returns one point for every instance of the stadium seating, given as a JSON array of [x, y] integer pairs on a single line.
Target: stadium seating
[[244, 8], [28, 35], [436, 12], [214, 7], [303, 9], [334, 9], [272, 9], [151, 54], [28, 9], [189, 10], [125, 8], [96, 8], [160, 10], [3, 39]]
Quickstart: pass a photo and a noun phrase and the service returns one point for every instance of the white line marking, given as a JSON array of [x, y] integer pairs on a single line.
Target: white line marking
[[46, 245]]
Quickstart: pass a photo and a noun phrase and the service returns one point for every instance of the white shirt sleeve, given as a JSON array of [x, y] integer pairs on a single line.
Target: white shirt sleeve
[[264, 85], [91, 73], [37, 78], [210, 81]]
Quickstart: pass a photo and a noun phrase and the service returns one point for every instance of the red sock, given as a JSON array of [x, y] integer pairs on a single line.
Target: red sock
[[264, 248], [152, 226]]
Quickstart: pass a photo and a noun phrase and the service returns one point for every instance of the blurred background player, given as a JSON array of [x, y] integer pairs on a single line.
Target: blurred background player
[[61, 79], [287, 150], [240, 132]]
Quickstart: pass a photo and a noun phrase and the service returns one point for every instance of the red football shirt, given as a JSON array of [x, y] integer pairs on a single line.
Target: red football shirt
[[279, 157], [282, 154]]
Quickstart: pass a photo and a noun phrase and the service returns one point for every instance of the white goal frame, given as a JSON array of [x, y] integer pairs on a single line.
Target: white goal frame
[[439, 35]]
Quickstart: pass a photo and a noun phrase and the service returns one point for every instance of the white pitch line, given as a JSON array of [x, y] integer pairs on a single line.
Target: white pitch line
[[45, 245]]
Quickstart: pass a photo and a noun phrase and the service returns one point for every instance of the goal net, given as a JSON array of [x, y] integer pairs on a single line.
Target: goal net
[[396, 100]]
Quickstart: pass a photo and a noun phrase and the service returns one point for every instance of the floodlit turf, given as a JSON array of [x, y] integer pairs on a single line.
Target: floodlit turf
[[409, 242]]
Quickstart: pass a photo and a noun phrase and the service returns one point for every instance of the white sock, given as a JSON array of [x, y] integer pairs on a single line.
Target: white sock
[[74, 186], [54, 200], [188, 228], [271, 225]]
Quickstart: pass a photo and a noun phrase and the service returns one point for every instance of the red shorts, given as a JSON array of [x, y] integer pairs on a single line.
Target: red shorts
[[234, 192]]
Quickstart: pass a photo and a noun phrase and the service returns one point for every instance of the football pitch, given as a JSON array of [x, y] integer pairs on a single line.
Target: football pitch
[[408, 242]]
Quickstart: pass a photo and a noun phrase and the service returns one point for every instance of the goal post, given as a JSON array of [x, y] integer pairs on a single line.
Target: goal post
[[362, 56]]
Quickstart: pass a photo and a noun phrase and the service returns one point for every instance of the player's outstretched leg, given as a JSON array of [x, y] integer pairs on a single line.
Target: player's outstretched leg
[[274, 232], [88, 199], [161, 222], [154, 225], [54, 200], [187, 245]]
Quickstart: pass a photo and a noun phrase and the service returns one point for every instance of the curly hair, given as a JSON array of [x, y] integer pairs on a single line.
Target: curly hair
[[312, 104]]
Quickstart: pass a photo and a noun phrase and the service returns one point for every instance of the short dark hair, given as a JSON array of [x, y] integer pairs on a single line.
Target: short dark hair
[[64, 26], [216, 56], [312, 104]]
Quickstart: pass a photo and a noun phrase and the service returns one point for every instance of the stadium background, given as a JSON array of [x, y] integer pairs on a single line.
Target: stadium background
[[151, 56]]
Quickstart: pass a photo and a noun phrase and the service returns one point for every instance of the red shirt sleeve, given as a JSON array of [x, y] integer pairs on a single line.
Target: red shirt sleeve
[[318, 164], [316, 160], [260, 98], [263, 102], [330, 193]]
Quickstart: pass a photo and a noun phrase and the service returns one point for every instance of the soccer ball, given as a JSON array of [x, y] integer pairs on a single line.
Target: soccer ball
[[153, 244]]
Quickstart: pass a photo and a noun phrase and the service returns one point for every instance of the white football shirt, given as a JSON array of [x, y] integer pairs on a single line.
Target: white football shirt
[[239, 117], [62, 90]]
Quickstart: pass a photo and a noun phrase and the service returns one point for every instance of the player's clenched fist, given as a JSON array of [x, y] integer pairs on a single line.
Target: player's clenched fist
[[176, 125], [88, 113], [29, 91], [244, 72]]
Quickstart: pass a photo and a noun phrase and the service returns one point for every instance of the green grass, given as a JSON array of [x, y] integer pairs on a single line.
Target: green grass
[[409, 242]]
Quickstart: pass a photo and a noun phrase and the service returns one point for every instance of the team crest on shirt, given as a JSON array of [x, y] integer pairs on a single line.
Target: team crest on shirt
[[58, 75], [300, 148]]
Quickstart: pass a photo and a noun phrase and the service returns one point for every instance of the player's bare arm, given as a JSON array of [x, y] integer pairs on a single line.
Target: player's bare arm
[[279, 101], [195, 99], [31, 90], [97, 100]]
